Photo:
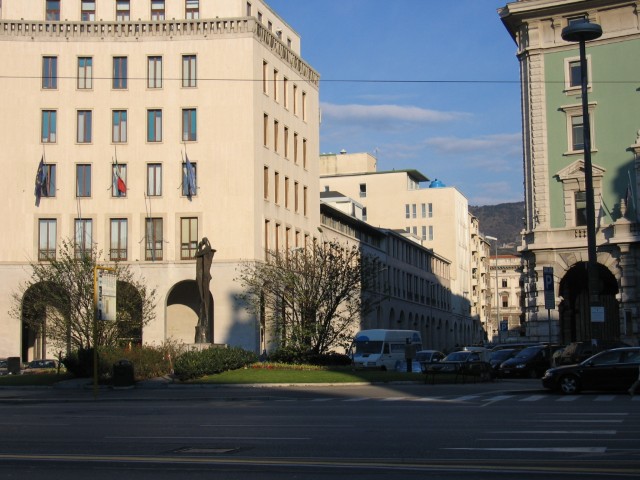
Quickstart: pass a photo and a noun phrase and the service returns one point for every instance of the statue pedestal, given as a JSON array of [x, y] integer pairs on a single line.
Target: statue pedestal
[[201, 334]]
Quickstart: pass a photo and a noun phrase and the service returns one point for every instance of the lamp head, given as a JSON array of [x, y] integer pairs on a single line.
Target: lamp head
[[581, 32]]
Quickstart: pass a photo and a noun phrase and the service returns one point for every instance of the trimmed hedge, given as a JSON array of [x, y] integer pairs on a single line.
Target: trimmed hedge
[[198, 363], [292, 356]]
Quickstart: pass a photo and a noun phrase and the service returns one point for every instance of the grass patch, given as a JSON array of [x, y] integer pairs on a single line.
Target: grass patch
[[306, 374], [41, 379]]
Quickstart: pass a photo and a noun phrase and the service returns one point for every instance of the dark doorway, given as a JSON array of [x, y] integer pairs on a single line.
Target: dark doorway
[[575, 324]]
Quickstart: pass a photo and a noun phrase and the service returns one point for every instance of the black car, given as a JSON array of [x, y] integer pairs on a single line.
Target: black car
[[576, 352], [530, 362], [614, 369], [496, 357]]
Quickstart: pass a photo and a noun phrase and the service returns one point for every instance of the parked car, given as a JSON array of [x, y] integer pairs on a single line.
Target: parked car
[[529, 362], [496, 357], [41, 366], [3, 367], [614, 369], [461, 362], [425, 357], [576, 352]]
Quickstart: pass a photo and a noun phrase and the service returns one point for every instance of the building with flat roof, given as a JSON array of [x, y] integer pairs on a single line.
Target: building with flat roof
[[158, 123]]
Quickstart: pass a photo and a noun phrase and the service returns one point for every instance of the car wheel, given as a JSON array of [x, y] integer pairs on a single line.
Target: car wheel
[[569, 384]]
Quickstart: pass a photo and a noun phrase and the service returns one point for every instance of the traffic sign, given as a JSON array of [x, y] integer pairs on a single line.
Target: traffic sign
[[549, 292]]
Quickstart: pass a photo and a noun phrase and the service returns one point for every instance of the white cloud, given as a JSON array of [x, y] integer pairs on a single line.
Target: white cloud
[[508, 143], [386, 114]]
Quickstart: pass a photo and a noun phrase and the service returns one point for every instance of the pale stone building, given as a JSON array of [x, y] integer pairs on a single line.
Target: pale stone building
[[437, 217], [555, 233], [150, 84]]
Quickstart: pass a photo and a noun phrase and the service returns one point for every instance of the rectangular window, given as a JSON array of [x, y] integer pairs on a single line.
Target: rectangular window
[[53, 9], [285, 92], [581, 209], [157, 10], [424, 232], [154, 179], [276, 134], [84, 126], [88, 11], [267, 234], [47, 234], [49, 73], [192, 9], [413, 211], [276, 187], [265, 183], [407, 211], [505, 301], [286, 142], [188, 238], [83, 180], [83, 237], [286, 192], [119, 176], [185, 179], [123, 12], [295, 148], [189, 125], [265, 130], [49, 126], [118, 242], [504, 283], [154, 125], [304, 106], [275, 84], [577, 133], [153, 239], [304, 201], [430, 232], [304, 153], [119, 126], [265, 88], [154, 72], [189, 71], [249, 12], [119, 73], [431, 210], [295, 99], [296, 203], [85, 73], [49, 188], [424, 210], [575, 74]]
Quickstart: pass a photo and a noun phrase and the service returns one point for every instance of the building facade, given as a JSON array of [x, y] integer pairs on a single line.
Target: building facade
[[438, 218], [150, 125], [506, 322], [555, 196]]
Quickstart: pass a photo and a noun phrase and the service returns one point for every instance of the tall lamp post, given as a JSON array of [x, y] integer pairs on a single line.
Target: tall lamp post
[[583, 32], [494, 239]]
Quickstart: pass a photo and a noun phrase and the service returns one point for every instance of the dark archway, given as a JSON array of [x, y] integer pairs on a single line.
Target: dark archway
[[575, 324], [34, 345], [183, 306]]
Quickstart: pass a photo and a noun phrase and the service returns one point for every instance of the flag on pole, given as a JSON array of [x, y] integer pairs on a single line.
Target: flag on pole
[[41, 182], [118, 182], [190, 178]]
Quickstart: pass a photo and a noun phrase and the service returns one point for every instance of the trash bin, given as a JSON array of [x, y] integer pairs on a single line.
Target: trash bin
[[123, 374]]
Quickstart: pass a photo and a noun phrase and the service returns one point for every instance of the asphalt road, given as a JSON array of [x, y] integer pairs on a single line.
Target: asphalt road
[[497, 430]]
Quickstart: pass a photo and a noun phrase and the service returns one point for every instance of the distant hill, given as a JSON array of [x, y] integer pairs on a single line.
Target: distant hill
[[503, 221]]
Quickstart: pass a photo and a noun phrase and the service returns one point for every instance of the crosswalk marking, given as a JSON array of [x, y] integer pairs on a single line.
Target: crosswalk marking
[[604, 398], [532, 398], [571, 398]]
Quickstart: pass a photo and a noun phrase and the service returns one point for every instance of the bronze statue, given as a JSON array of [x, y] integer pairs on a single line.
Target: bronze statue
[[204, 258]]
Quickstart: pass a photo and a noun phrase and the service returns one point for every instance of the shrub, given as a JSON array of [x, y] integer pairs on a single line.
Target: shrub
[[198, 363], [292, 356]]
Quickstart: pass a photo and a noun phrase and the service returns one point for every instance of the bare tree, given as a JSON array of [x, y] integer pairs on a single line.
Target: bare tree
[[312, 298], [58, 301]]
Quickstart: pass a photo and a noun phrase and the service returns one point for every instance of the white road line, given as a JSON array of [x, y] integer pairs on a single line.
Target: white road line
[[497, 398], [359, 399], [542, 449], [604, 398], [533, 398], [429, 399], [571, 398], [609, 420], [322, 399], [465, 398], [393, 399], [559, 432]]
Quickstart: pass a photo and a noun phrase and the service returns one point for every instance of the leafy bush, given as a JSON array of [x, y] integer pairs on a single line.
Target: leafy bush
[[148, 361], [293, 356], [198, 363]]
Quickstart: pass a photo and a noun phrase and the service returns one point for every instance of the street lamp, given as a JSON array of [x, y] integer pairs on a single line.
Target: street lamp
[[494, 239], [582, 32]]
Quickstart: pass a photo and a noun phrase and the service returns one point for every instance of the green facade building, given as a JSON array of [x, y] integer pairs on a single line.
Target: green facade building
[[555, 231]]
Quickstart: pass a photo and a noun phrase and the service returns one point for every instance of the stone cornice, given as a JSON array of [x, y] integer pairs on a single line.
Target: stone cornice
[[136, 31]]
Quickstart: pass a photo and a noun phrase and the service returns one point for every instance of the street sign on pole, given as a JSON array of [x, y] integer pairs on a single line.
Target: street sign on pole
[[549, 293], [106, 295]]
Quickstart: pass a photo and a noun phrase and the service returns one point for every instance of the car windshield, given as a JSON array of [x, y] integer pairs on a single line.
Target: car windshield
[[457, 357], [367, 346], [528, 352], [501, 355]]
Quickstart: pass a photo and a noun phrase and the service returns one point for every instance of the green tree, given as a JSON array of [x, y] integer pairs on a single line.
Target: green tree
[[313, 298], [58, 301]]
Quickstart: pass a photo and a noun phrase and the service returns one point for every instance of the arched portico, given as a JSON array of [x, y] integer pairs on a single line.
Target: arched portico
[[183, 307]]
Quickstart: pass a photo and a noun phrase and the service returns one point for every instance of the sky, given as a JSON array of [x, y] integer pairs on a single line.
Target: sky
[[431, 85]]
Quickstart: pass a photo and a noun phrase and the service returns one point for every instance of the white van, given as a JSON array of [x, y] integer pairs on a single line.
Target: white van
[[381, 348]]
